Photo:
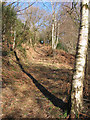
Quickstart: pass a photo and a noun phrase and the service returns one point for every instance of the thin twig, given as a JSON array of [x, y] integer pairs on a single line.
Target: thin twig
[[26, 7]]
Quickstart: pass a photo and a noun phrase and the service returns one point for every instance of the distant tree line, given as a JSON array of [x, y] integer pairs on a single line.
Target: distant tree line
[[33, 24]]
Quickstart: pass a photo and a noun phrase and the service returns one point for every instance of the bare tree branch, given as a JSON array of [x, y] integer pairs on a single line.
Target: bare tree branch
[[71, 9], [46, 6], [12, 3], [17, 4], [26, 7]]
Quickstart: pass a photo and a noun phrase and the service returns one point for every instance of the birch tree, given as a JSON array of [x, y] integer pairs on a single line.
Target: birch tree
[[78, 77], [54, 28], [14, 39]]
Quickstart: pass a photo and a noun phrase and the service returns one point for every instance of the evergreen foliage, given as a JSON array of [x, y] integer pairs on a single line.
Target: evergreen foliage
[[8, 25]]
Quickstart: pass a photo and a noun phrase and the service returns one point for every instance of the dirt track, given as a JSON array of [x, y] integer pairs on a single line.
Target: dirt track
[[37, 87]]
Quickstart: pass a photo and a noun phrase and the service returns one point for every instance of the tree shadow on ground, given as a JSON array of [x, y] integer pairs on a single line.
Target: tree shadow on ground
[[55, 101]]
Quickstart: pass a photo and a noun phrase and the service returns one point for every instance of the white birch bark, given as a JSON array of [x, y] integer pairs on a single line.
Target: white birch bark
[[14, 39], [54, 28], [53, 35], [55, 32], [78, 77]]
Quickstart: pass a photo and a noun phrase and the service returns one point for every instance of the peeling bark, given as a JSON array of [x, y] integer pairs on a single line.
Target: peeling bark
[[78, 77]]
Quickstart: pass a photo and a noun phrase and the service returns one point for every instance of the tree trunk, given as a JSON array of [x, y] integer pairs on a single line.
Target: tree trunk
[[14, 39], [53, 32], [57, 33], [78, 77], [53, 26], [86, 75], [54, 29]]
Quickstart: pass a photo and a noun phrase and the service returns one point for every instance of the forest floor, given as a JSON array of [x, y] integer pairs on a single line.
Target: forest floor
[[38, 85]]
